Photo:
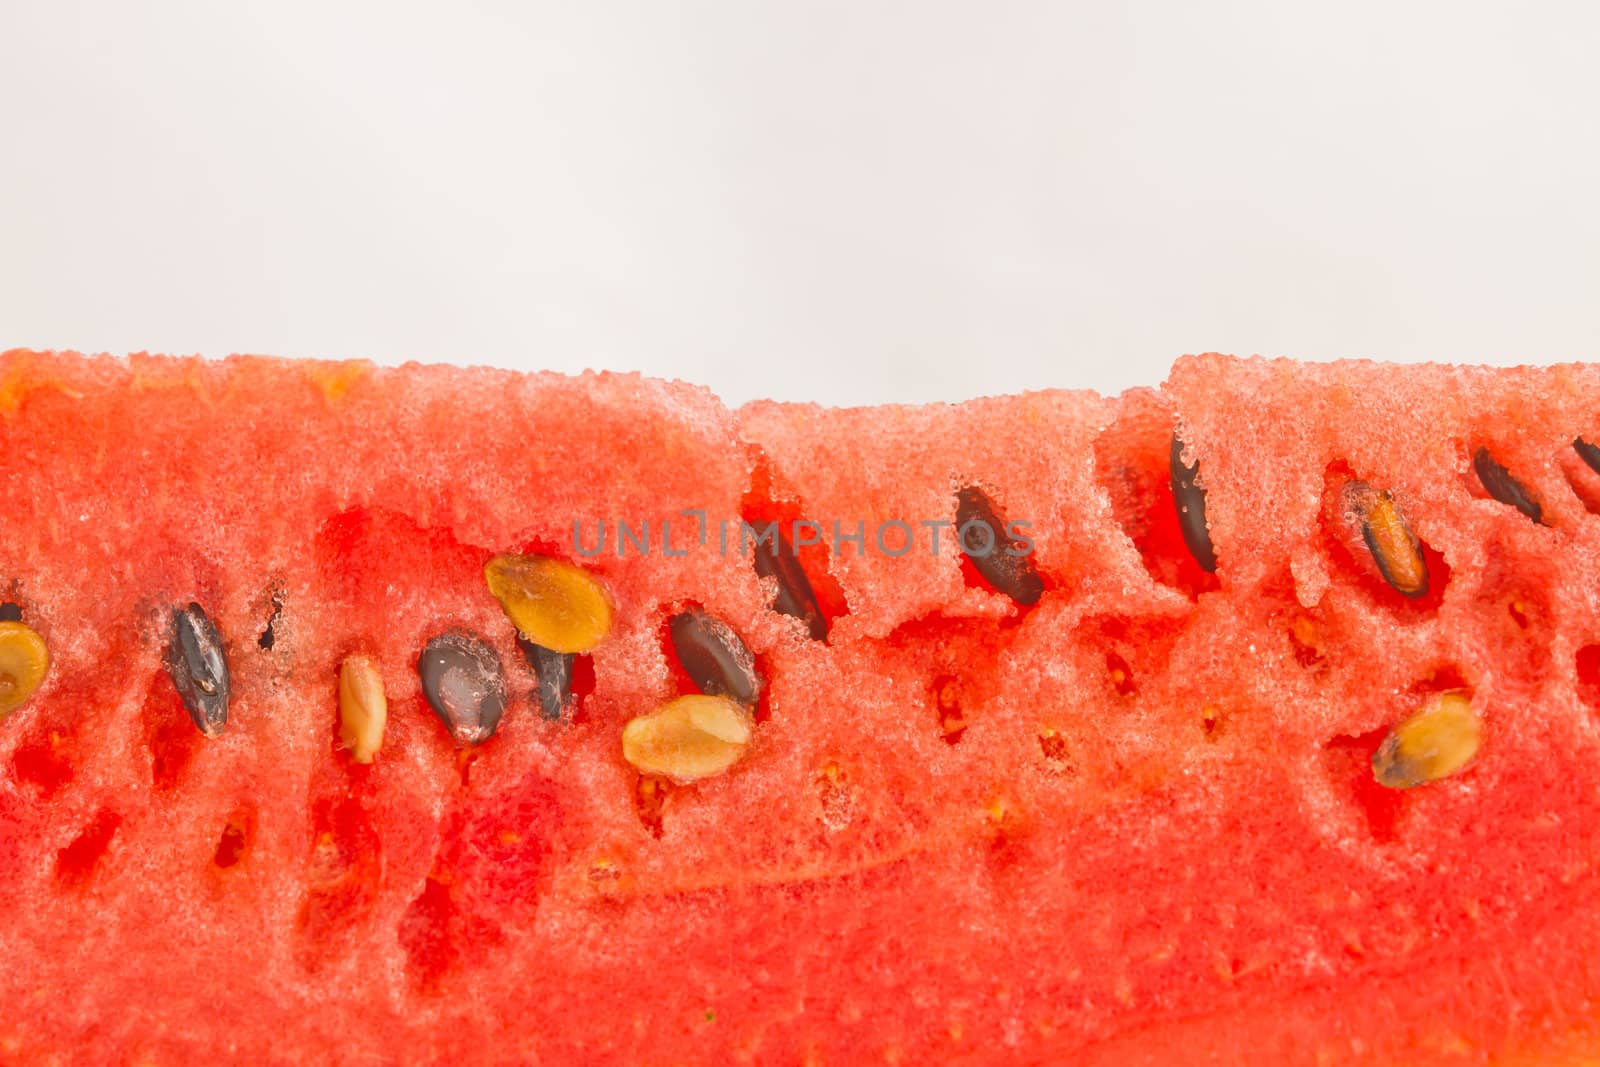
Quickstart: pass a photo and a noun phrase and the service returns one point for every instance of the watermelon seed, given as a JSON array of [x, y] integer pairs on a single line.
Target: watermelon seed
[[1190, 500], [1498, 483], [24, 659], [716, 659], [1437, 740], [551, 603], [997, 555], [553, 691], [10, 612], [690, 738], [363, 707], [775, 557], [1590, 454], [1395, 549], [199, 668], [463, 682]]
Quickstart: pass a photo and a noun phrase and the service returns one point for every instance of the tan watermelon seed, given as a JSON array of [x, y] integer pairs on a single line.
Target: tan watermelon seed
[[1437, 740], [715, 657], [363, 707], [552, 604], [982, 533], [23, 663], [690, 738], [1498, 483], [462, 679], [1395, 549], [1190, 501], [199, 668]]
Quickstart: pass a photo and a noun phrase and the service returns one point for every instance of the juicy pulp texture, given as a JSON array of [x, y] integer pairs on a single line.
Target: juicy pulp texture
[[1156, 836]]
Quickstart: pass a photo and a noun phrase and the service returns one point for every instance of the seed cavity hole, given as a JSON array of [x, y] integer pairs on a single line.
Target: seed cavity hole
[[1348, 763], [41, 762], [835, 798], [78, 862], [947, 705], [342, 873], [238, 833], [650, 802], [269, 634], [1588, 667]]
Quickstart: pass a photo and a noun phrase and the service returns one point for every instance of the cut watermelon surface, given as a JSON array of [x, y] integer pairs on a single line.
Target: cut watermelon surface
[[1329, 795]]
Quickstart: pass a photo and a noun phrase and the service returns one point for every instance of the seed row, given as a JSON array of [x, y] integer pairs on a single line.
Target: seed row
[[560, 611]]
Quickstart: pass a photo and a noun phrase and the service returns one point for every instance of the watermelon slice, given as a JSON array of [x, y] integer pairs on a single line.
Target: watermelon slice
[[424, 715]]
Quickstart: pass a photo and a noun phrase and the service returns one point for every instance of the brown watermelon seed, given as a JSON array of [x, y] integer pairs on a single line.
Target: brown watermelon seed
[[1590, 454], [995, 553], [199, 668], [464, 684], [1190, 501], [1395, 549], [24, 659], [716, 659], [10, 612], [553, 692], [1498, 483], [775, 557], [1437, 740]]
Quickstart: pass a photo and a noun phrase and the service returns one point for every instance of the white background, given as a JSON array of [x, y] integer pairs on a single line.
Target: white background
[[849, 202]]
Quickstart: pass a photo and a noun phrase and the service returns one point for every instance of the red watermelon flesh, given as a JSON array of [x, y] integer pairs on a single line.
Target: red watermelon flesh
[[1135, 822]]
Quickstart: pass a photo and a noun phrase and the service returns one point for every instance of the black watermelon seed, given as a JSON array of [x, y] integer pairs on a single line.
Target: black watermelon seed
[[716, 659], [1499, 483], [462, 679], [10, 612], [985, 538], [1191, 503], [554, 672], [776, 558], [199, 668], [1589, 453]]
